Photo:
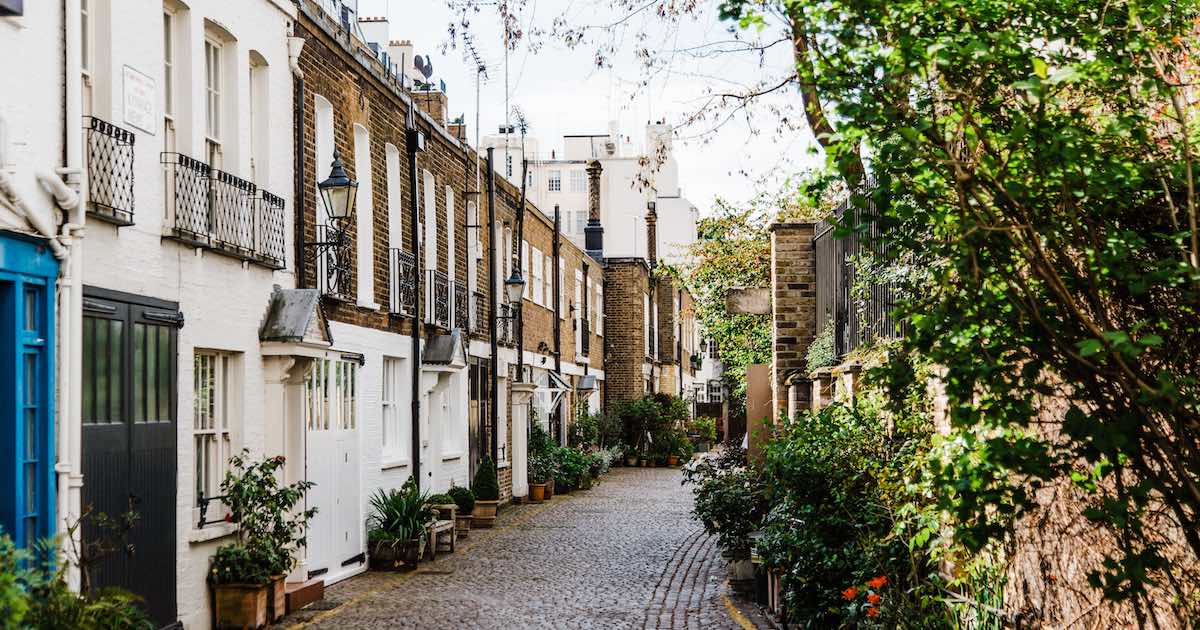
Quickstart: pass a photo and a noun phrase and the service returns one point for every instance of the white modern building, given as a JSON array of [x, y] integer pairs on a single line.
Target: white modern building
[[630, 180]]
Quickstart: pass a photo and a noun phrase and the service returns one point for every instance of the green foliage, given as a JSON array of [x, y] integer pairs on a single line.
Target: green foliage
[[270, 529], [540, 467], [572, 465], [399, 516], [464, 498], [440, 499], [729, 498], [14, 602], [705, 428], [485, 486], [585, 431], [650, 424], [821, 352]]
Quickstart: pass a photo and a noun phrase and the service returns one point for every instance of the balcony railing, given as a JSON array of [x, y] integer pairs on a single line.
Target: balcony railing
[[110, 172], [335, 267], [505, 325], [402, 281], [437, 305], [585, 338], [479, 313], [223, 212], [461, 306]]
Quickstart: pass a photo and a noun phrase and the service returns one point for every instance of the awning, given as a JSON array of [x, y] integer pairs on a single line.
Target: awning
[[446, 350], [295, 323], [586, 383]]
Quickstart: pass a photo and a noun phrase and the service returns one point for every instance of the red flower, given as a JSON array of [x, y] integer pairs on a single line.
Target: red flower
[[228, 518], [872, 612], [850, 593], [873, 598], [877, 582]]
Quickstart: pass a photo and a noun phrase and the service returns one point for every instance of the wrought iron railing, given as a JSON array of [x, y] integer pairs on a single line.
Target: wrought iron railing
[[505, 325], [335, 267], [585, 337], [437, 305], [462, 305], [110, 171], [859, 313], [479, 313], [402, 281], [221, 211]]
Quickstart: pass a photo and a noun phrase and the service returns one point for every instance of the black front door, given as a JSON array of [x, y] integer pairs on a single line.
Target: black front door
[[478, 417], [129, 443]]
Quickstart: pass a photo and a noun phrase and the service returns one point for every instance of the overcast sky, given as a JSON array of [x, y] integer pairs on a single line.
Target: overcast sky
[[562, 92]]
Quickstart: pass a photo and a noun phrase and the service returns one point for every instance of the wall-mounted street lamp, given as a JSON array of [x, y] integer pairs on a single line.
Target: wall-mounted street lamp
[[338, 192], [514, 288]]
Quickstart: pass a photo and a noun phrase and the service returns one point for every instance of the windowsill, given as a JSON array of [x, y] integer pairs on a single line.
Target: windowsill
[[388, 464], [371, 305], [211, 532], [504, 464], [453, 455]]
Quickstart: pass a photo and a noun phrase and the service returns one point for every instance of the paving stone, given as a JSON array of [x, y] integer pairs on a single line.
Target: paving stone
[[625, 554]]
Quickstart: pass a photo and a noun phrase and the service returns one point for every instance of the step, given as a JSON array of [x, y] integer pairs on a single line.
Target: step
[[301, 594]]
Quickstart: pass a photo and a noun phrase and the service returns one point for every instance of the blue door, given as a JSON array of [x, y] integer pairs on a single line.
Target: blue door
[[27, 484]]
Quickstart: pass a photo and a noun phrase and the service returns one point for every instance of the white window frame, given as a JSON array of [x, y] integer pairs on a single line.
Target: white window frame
[[599, 310], [395, 439], [548, 278], [580, 313], [562, 289], [215, 385], [526, 271], [87, 32], [578, 181], [213, 94], [554, 181], [168, 66], [364, 242], [536, 271]]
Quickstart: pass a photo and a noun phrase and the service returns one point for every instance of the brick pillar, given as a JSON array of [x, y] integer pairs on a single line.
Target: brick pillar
[[651, 235], [793, 310]]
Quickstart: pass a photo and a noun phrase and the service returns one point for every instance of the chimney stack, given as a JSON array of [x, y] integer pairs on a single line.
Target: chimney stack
[[593, 234], [651, 235]]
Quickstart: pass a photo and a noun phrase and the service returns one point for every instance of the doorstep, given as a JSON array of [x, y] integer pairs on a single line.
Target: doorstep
[[301, 594]]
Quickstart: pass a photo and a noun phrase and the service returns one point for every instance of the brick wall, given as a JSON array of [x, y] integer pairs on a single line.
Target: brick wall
[[793, 309], [625, 282]]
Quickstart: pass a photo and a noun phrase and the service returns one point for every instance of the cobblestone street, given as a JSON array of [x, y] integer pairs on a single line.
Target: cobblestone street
[[625, 554]]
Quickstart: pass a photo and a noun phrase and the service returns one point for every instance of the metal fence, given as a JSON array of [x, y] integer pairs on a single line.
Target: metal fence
[[437, 303], [860, 313], [462, 306], [110, 171], [402, 281]]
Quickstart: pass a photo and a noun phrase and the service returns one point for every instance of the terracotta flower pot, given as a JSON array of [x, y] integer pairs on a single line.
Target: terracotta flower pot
[[537, 492], [485, 513], [673, 460], [240, 605], [462, 523], [631, 460]]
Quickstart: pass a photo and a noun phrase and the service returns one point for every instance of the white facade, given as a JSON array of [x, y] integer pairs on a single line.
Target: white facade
[[629, 180], [208, 80]]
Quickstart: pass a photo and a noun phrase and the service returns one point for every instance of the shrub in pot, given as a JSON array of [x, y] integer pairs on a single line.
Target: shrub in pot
[[465, 500], [444, 504], [573, 464], [487, 493], [540, 468], [269, 533], [397, 529]]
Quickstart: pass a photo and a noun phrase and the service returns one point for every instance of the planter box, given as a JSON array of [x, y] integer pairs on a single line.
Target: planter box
[[389, 557], [672, 461], [240, 606], [485, 513], [537, 492], [276, 598], [550, 489], [462, 524], [631, 460]]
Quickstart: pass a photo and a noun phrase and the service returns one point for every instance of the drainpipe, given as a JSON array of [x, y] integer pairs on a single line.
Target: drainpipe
[[69, 464], [494, 360], [554, 249], [414, 219], [295, 45], [521, 267]]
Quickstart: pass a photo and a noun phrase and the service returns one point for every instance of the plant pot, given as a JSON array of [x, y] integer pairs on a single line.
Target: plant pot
[[462, 524], [386, 556], [631, 460], [741, 572], [446, 511], [485, 513], [673, 461], [240, 605], [549, 488], [276, 598], [537, 492]]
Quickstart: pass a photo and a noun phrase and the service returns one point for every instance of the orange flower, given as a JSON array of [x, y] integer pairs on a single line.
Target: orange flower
[[873, 598], [872, 612], [850, 593], [877, 582]]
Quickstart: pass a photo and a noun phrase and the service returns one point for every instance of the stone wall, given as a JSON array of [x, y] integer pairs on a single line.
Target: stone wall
[[793, 310]]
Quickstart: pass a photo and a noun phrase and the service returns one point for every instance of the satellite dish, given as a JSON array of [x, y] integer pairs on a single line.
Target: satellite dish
[[424, 65]]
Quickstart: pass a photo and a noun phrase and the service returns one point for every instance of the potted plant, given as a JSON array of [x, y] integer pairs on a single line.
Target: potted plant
[[487, 493], [248, 576], [539, 469], [445, 505], [397, 528], [465, 500]]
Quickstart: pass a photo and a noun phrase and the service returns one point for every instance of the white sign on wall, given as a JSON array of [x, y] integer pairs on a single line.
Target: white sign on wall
[[140, 98]]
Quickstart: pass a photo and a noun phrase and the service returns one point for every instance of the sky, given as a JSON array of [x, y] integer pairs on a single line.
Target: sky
[[561, 90]]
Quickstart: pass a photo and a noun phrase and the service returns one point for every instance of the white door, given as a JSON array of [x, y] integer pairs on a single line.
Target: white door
[[335, 533]]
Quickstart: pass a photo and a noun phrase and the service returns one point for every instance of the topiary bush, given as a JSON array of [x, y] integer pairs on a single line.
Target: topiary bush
[[485, 486], [463, 497]]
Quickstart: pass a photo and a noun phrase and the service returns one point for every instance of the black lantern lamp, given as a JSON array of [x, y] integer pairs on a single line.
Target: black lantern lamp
[[514, 287], [338, 192]]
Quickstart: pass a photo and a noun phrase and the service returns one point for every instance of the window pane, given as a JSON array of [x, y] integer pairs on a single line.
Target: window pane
[[138, 374], [31, 310], [31, 379], [31, 485], [147, 374], [103, 365], [200, 471], [31, 433], [116, 367], [163, 395]]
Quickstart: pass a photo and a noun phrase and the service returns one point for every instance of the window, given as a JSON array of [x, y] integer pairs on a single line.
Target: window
[[580, 221], [364, 218], [212, 101], [578, 181], [212, 418], [395, 430], [548, 278], [562, 288], [535, 267], [580, 312], [430, 237], [86, 23], [168, 67], [331, 396], [554, 184], [526, 267], [450, 233], [599, 309], [259, 121], [508, 165], [646, 324], [394, 201]]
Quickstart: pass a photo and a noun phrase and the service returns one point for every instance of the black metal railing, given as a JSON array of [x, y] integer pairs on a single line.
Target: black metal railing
[[585, 336], [110, 171], [461, 306], [651, 347], [505, 325], [202, 503], [223, 212], [402, 281], [479, 313], [437, 305], [859, 314], [335, 266]]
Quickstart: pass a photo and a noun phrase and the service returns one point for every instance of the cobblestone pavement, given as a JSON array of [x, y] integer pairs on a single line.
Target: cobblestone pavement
[[624, 554]]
